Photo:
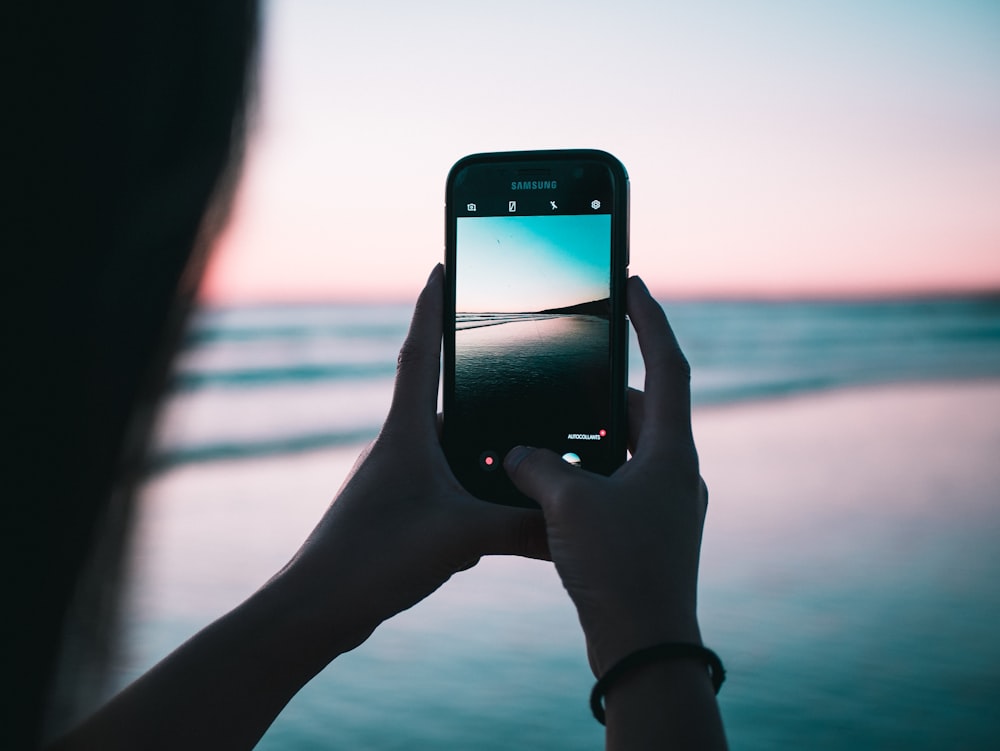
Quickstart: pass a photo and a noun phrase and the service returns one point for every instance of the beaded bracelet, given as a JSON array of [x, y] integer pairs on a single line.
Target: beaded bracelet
[[668, 651]]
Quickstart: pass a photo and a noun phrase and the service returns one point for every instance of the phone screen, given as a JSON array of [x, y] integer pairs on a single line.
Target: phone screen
[[534, 351]]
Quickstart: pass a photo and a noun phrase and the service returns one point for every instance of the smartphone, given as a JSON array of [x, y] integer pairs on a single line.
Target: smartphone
[[535, 337]]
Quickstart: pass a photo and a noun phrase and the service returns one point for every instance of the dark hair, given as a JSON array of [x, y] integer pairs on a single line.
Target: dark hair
[[126, 121]]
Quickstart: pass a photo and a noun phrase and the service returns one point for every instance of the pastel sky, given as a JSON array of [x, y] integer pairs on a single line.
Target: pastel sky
[[775, 148], [530, 263]]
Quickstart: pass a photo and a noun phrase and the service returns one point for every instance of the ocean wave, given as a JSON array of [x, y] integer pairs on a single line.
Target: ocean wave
[[265, 377], [249, 449], [259, 382]]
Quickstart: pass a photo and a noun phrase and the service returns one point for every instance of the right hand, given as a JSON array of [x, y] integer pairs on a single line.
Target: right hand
[[627, 546]]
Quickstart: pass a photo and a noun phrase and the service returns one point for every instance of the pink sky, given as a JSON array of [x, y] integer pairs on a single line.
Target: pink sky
[[774, 148]]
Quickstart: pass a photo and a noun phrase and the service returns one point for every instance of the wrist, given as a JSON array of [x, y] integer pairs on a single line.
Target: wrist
[[609, 647], [311, 615], [663, 703]]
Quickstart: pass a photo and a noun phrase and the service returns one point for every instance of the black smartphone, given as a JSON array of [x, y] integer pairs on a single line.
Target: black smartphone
[[535, 337]]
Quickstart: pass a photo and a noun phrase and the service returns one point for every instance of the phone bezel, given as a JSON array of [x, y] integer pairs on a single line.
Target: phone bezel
[[619, 184]]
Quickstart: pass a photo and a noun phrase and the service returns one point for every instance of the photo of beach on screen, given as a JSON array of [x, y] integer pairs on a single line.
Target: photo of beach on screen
[[532, 330]]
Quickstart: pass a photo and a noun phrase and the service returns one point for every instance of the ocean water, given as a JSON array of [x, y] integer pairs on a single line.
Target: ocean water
[[850, 560], [529, 358], [324, 373]]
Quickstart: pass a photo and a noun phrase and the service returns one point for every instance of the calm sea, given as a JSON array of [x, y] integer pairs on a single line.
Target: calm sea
[[268, 380], [853, 593]]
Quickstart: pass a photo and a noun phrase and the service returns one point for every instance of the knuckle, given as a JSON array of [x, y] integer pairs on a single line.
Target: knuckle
[[540, 472], [675, 363], [681, 455], [405, 355], [678, 466], [562, 494], [682, 365], [671, 363], [409, 354]]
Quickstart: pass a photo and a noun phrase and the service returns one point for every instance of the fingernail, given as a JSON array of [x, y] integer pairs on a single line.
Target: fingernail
[[515, 456]]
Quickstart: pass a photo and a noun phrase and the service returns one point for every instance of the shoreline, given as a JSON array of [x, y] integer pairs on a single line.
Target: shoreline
[[751, 451], [849, 546], [165, 460], [872, 388]]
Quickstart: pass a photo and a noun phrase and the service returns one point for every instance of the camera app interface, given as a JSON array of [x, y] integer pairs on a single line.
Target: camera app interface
[[532, 340]]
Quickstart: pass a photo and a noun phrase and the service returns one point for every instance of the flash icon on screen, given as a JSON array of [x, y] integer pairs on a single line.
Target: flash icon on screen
[[512, 206]]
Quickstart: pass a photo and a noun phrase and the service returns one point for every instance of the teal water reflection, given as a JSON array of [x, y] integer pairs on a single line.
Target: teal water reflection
[[849, 569]]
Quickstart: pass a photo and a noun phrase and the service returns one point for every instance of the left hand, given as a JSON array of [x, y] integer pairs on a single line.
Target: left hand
[[401, 524]]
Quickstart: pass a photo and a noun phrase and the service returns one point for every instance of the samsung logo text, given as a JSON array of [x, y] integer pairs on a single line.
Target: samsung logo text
[[534, 185]]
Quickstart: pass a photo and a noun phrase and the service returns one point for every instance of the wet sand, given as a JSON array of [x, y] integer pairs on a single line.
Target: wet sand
[[848, 580]]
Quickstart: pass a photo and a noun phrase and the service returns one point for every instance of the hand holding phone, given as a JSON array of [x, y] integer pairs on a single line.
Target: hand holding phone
[[535, 334]]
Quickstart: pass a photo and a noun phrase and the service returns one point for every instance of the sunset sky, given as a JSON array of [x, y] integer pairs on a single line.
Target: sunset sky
[[531, 263], [774, 148]]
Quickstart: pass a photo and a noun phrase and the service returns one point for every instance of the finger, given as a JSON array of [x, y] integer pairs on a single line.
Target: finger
[[667, 401], [466, 565], [541, 475], [635, 401], [418, 367], [505, 530]]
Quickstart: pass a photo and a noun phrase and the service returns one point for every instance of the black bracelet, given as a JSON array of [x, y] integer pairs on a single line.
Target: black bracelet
[[668, 651]]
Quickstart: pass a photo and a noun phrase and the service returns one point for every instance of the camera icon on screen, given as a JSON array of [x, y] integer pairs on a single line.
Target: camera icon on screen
[[470, 207]]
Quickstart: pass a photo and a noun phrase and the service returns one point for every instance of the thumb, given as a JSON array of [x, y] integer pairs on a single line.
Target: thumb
[[541, 475], [419, 364], [506, 530]]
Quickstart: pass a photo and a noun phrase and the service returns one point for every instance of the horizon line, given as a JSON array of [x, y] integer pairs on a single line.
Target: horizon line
[[745, 296]]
